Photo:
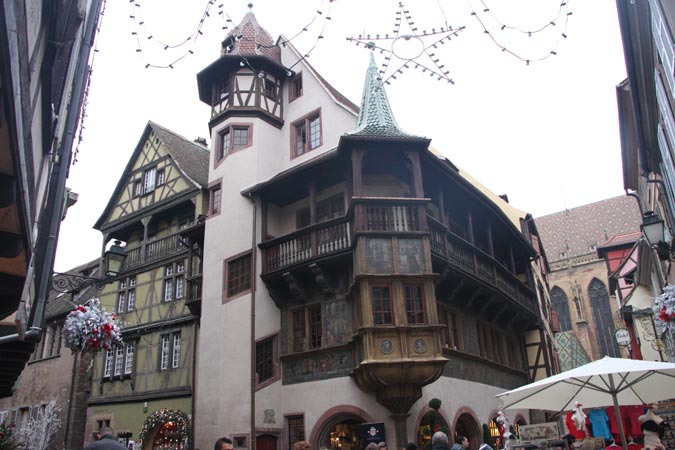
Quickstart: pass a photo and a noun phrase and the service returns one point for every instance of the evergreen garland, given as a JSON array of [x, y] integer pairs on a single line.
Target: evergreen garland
[[162, 416]]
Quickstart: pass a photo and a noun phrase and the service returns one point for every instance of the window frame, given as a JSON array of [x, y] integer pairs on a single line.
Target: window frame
[[419, 287], [293, 92], [149, 175], [372, 304], [125, 288], [226, 296], [306, 329], [298, 419], [274, 363], [452, 335], [168, 361], [307, 144], [215, 186], [221, 152]]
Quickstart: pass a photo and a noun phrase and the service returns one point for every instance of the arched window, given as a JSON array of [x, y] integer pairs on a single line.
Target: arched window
[[560, 305], [602, 315]]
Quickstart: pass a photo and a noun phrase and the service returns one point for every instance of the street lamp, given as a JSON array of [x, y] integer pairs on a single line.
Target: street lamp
[[113, 261], [653, 229]]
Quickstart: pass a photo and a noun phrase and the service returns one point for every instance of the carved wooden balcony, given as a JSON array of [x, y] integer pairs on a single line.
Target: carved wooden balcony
[[466, 258], [153, 251], [365, 215]]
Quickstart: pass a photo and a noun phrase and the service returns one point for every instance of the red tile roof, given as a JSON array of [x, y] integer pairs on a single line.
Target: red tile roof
[[249, 38]]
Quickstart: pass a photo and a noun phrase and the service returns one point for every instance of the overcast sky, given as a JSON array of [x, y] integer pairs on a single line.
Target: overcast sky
[[545, 133]]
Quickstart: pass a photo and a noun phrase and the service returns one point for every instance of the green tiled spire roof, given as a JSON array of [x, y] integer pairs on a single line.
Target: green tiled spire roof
[[376, 117]]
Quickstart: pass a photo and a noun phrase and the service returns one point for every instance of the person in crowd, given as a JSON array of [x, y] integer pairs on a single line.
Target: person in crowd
[[411, 446], [372, 446], [462, 443], [223, 444], [439, 441], [301, 445], [382, 445], [107, 441]]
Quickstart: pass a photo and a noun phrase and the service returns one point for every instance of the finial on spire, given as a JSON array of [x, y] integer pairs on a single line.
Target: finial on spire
[[376, 117], [250, 6]]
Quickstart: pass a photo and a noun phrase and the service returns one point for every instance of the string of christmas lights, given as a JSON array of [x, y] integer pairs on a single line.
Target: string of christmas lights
[[85, 95], [143, 34], [415, 38], [563, 12], [141, 29]]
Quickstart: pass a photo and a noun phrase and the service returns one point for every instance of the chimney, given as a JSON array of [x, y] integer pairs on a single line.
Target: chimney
[[201, 141]]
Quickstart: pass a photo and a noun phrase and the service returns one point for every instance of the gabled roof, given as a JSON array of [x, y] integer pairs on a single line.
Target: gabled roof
[[190, 158], [250, 39], [376, 117], [575, 231], [332, 91]]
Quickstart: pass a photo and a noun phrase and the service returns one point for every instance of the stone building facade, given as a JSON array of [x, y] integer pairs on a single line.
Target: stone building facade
[[581, 293]]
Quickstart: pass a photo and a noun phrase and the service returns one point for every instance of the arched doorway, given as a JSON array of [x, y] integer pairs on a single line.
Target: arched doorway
[[431, 422], [168, 438], [467, 426], [340, 430], [166, 429]]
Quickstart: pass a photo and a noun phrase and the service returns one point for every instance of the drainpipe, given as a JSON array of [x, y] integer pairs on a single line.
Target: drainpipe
[[253, 289]]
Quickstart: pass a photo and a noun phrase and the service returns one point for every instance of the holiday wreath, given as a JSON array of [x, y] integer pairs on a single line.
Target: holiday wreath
[[91, 328], [163, 416], [664, 308]]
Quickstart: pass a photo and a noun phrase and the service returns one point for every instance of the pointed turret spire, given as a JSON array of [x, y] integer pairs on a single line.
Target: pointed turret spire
[[250, 39], [376, 117]]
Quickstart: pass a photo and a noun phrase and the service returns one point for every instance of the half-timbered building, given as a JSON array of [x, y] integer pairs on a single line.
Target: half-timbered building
[[161, 192], [350, 274]]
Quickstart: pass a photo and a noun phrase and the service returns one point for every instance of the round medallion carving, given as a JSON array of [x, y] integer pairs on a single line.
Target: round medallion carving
[[420, 345], [386, 346]]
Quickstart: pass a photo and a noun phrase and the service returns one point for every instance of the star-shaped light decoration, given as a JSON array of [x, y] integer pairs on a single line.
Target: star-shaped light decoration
[[414, 50]]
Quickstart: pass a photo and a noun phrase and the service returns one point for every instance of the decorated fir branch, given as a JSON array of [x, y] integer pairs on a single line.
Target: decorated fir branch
[[178, 420], [90, 328], [664, 309]]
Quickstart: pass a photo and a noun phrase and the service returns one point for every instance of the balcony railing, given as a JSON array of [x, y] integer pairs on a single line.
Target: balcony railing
[[464, 256], [310, 242], [366, 214], [194, 289], [153, 251]]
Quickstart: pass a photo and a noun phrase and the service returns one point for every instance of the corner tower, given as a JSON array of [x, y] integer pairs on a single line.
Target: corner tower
[[247, 78], [397, 332]]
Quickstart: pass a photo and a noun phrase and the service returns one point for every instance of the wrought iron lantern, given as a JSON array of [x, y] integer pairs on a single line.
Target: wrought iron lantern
[[113, 262]]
